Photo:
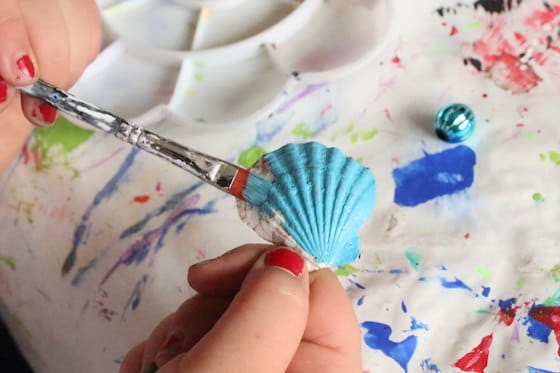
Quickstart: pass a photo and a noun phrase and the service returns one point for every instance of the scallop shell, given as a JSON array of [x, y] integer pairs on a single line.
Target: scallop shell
[[318, 200]]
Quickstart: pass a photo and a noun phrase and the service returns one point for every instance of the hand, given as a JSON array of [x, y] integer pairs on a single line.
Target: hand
[[51, 39], [251, 315]]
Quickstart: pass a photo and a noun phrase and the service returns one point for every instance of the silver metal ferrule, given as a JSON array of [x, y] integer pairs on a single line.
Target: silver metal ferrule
[[214, 171]]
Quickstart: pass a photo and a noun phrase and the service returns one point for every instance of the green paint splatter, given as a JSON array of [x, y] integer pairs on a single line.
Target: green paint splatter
[[520, 282], [9, 261], [473, 24], [554, 157], [554, 300], [346, 270], [301, 130], [483, 312], [64, 134], [542, 156], [199, 77], [414, 258], [368, 135], [555, 272], [64, 137], [350, 128], [484, 272], [538, 198], [250, 156], [360, 160]]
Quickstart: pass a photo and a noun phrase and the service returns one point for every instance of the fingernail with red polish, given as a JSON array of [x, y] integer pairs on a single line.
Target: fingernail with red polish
[[45, 113], [25, 65], [3, 91], [170, 348], [285, 259]]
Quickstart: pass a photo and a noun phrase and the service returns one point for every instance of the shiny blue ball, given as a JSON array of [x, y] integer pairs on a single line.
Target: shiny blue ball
[[454, 123]]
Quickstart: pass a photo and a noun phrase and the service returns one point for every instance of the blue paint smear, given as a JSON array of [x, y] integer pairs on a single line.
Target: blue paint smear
[[455, 284], [537, 330], [434, 175], [537, 370], [395, 271], [485, 291], [403, 307], [360, 300], [105, 193], [170, 204], [507, 305], [377, 338], [154, 239], [136, 296], [417, 325], [357, 284], [428, 366]]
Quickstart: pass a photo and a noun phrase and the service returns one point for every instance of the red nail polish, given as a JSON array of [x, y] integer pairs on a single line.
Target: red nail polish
[[25, 65], [3, 91], [285, 259], [48, 112]]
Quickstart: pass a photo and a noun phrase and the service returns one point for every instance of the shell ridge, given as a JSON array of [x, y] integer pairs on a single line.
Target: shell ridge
[[363, 193], [293, 206], [342, 189], [337, 163], [279, 201]]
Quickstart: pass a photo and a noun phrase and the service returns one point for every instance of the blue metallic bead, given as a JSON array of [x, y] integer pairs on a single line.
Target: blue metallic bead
[[454, 123]]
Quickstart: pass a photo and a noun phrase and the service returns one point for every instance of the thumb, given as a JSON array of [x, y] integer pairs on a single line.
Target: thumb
[[262, 328]]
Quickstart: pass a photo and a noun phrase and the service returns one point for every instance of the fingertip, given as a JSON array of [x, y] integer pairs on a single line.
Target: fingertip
[[223, 276], [7, 93], [132, 362]]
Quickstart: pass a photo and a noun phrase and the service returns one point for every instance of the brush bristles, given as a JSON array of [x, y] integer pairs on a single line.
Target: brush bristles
[[256, 189]]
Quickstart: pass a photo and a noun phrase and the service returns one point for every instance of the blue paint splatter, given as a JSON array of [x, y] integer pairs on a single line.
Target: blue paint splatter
[[434, 175], [428, 366], [360, 300], [377, 337], [537, 330], [403, 307], [170, 204], [537, 370], [455, 284], [485, 291], [136, 296], [417, 325], [106, 192], [395, 271], [154, 238], [357, 284]]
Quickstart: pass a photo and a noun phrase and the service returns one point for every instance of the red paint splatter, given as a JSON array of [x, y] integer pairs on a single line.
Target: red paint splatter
[[453, 31], [520, 125], [396, 60], [507, 56], [467, 236], [326, 108], [520, 38], [388, 115], [444, 24], [484, 95], [141, 198], [477, 359], [549, 316], [506, 314], [511, 74], [25, 154], [158, 187]]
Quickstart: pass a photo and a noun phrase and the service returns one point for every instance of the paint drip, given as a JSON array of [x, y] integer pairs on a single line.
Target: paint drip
[[318, 200]]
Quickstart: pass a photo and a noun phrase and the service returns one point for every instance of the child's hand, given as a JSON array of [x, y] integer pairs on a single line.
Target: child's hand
[[251, 316], [49, 39]]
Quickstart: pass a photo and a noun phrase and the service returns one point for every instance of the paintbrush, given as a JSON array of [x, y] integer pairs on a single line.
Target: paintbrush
[[221, 174]]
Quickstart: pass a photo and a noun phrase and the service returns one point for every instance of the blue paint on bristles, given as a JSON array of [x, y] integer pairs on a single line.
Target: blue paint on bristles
[[256, 189]]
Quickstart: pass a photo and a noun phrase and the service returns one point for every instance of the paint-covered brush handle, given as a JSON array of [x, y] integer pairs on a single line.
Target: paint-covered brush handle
[[214, 171], [74, 107]]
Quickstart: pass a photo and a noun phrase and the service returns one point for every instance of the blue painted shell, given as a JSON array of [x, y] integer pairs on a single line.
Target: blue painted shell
[[320, 198]]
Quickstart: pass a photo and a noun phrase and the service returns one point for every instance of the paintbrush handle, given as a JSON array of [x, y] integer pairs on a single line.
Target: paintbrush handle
[[214, 171]]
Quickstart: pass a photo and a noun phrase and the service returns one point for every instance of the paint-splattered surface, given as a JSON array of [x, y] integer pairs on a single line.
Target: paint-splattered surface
[[460, 266]]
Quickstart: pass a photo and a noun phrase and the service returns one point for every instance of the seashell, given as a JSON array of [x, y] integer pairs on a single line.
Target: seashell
[[318, 200]]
